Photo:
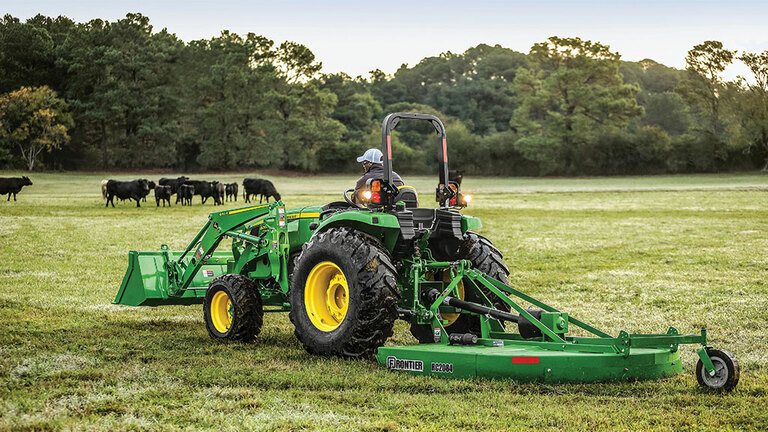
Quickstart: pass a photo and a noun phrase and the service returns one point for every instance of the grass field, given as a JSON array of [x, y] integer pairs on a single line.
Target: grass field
[[625, 253]]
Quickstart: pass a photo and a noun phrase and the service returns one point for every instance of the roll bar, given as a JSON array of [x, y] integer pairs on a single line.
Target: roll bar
[[390, 123]]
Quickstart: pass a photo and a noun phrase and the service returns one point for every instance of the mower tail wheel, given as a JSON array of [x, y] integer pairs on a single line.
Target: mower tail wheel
[[232, 308], [726, 371]]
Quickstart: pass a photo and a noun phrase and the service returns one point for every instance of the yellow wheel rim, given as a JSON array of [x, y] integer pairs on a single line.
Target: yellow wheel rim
[[326, 296], [221, 311], [452, 317]]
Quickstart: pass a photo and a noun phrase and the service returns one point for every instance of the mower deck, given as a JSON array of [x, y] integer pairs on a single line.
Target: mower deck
[[523, 363]]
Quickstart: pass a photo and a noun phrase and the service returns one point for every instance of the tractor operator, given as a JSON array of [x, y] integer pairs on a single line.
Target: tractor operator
[[374, 169]]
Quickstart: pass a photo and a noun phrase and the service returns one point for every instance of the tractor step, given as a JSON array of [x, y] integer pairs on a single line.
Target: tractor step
[[528, 364]]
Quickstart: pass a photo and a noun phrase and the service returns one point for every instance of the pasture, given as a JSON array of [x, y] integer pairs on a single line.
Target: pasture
[[623, 253]]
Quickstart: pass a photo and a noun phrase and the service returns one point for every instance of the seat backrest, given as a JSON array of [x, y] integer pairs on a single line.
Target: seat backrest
[[408, 195]]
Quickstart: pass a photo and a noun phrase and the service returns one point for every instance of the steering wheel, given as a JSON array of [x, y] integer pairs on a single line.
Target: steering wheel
[[349, 201]]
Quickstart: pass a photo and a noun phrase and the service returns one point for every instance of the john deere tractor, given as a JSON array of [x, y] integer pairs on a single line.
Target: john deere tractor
[[347, 270]]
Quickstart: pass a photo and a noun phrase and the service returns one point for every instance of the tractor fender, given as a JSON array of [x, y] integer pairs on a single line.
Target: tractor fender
[[383, 226], [470, 223]]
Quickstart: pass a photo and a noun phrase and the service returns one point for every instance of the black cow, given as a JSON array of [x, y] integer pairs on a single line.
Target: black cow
[[456, 176], [219, 191], [186, 192], [231, 191], [151, 185], [256, 187], [205, 189], [135, 190], [162, 193], [175, 184], [13, 185]]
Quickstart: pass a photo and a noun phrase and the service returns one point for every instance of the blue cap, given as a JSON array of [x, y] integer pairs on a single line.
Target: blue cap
[[371, 155]]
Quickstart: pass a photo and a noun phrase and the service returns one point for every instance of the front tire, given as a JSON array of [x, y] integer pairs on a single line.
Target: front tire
[[343, 294], [232, 308]]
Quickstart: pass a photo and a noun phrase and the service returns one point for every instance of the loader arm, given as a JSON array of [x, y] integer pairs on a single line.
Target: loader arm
[[219, 226], [165, 277]]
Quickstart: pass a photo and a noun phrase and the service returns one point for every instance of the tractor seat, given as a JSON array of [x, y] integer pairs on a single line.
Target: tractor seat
[[407, 195]]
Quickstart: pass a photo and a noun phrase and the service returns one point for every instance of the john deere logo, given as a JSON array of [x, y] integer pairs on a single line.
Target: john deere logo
[[394, 363]]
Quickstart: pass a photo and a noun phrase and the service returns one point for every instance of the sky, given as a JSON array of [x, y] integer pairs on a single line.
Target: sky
[[359, 36]]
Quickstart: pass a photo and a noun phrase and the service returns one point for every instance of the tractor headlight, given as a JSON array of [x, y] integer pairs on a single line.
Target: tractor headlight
[[367, 194], [462, 200]]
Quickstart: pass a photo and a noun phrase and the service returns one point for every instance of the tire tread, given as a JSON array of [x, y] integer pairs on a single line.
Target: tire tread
[[378, 288], [245, 295]]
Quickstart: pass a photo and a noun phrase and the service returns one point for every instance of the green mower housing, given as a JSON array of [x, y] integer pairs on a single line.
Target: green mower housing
[[347, 270]]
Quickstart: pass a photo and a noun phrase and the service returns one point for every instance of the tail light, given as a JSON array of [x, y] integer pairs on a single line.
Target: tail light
[[373, 194], [454, 189]]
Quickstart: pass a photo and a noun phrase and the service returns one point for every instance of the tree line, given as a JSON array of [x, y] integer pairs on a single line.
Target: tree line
[[106, 95]]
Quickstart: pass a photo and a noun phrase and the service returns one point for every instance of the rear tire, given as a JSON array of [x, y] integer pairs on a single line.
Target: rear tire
[[232, 308], [343, 294], [485, 257]]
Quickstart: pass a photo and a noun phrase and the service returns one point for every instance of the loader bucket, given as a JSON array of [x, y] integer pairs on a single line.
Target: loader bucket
[[146, 281]]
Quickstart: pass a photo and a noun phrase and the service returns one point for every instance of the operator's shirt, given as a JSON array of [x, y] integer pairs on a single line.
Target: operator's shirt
[[376, 172]]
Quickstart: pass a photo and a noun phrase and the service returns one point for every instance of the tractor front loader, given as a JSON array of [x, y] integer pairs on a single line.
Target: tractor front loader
[[346, 271]]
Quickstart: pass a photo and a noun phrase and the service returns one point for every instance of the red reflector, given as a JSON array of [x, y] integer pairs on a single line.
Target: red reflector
[[376, 198], [389, 147], [445, 152], [453, 201], [525, 360]]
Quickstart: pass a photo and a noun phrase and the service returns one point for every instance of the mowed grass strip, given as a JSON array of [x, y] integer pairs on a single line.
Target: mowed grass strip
[[638, 254]]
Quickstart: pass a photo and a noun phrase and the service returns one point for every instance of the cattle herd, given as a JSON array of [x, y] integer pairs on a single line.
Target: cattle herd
[[185, 189]]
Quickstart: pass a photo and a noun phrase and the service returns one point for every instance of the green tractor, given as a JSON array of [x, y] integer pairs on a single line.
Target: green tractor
[[347, 270]]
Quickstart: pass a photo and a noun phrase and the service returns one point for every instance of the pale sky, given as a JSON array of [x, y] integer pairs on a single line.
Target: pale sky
[[359, 36]]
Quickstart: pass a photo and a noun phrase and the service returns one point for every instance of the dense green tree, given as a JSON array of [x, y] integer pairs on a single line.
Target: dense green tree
[[258, 105], [572, 93], [26, 54], [668, 111], [229, 98], [33, 120], [355, 108], [705, 64], [754, 107], [473, 86], [651, 76], [87, 57], [141, 98]]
